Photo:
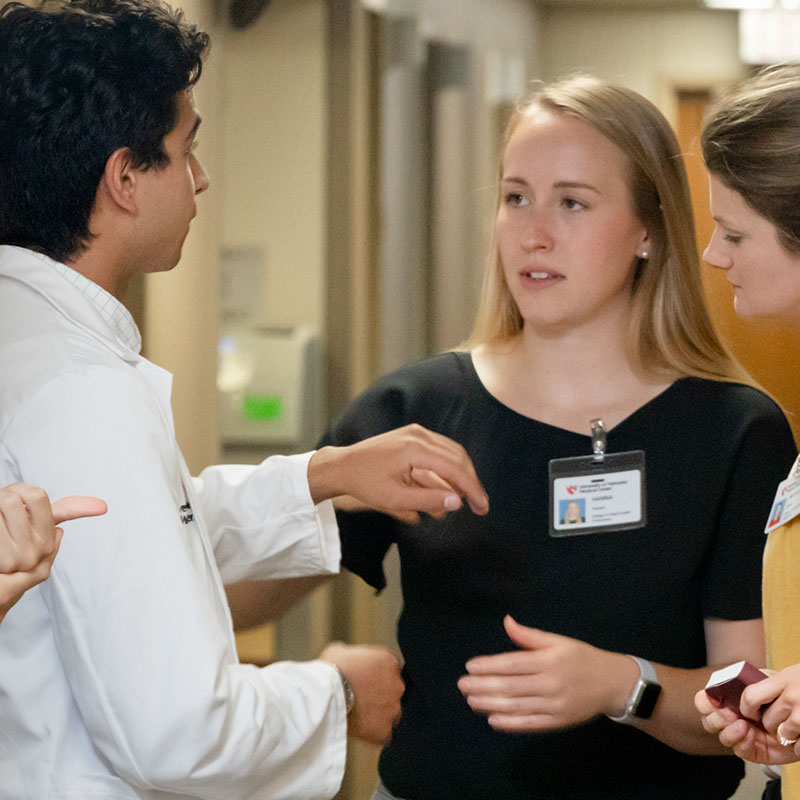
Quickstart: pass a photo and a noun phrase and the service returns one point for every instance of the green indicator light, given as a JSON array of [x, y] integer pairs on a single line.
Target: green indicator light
[[262, 407]]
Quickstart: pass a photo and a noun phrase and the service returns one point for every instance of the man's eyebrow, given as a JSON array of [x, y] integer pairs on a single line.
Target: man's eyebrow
[[193, 132]]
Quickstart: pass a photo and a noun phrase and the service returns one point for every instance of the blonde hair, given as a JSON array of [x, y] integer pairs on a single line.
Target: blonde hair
[[751, 141], [671, 332]]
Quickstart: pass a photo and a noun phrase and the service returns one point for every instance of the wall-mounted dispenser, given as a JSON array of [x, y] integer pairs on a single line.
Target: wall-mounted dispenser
[[271, 384]]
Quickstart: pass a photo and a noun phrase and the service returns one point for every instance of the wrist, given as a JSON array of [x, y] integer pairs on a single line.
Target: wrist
[[349, 694], [626, 672], [643, 695], [323, 474]]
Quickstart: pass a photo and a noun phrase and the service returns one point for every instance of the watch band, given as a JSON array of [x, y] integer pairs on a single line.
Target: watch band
[[644, 696], [349, 694]]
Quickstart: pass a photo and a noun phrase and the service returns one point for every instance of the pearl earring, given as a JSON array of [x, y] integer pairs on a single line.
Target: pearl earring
[[645, 255]]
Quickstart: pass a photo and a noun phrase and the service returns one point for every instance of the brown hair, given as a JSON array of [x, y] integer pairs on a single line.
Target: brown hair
[[751, 142]]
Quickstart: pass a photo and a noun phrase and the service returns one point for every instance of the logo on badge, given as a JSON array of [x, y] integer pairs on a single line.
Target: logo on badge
[[572, 489]]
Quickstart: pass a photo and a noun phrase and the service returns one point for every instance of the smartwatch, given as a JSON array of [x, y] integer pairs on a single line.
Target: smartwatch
[[644, 696]]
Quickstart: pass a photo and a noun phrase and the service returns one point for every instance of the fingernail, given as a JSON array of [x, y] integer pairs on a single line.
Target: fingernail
[[452, 502]]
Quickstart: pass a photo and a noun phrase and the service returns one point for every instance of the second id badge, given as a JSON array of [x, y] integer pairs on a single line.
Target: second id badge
[[786, 505], [601, 492]]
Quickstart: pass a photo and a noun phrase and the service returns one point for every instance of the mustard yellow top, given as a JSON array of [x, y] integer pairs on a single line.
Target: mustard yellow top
[[782, 617]]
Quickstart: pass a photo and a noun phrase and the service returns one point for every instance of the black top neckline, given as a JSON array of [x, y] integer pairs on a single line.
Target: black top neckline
[[465, 357]]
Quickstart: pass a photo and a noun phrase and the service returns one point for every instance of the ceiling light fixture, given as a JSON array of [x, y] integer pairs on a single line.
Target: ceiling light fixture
[[747, 5], [769, 37]]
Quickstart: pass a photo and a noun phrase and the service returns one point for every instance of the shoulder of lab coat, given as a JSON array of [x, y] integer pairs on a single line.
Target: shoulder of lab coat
[[135, 609]]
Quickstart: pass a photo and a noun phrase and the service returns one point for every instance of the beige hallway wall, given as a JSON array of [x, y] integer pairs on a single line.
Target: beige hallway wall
[[273, 161], [647, 50], [181, 306]]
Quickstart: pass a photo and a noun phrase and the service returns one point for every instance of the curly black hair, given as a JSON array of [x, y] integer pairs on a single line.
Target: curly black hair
[[76, 84]]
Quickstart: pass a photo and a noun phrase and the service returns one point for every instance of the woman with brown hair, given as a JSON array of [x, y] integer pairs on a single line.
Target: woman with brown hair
[[751, 145]]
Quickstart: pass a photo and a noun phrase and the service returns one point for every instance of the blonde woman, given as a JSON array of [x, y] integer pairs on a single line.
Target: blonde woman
[[751, 144], [545, 661]]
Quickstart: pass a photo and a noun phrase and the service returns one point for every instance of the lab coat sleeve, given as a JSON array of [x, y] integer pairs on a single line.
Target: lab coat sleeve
[[135, 618], [263, 523]]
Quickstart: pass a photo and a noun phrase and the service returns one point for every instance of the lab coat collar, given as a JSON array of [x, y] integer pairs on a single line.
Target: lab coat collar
[[84, 303]]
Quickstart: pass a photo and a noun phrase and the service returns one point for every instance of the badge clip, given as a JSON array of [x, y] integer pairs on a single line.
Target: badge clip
[[598, 440]]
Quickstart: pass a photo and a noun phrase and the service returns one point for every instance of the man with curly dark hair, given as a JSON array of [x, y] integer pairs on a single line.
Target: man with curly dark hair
[[118, 675]]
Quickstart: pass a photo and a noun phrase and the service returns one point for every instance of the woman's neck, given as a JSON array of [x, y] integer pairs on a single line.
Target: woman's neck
[[568, 379]]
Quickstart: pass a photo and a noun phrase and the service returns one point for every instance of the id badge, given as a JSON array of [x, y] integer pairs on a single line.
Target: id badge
[[786, 505], [593, 494]]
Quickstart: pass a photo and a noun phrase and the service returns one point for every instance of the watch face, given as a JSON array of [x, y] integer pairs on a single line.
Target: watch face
[[647, 700]]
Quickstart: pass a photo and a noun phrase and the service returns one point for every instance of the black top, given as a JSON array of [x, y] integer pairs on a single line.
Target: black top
[[715, 453]]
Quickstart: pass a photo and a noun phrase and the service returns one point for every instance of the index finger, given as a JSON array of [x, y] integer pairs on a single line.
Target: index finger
[[450, 461], [77, 506]]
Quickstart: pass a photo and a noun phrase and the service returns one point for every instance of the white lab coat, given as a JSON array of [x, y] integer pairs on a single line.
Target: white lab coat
[[118, 676]]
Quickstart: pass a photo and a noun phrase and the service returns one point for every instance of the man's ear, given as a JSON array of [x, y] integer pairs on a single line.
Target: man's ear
[[120, 179]]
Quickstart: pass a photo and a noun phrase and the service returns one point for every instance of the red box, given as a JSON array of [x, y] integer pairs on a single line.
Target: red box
[[727, 684]]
